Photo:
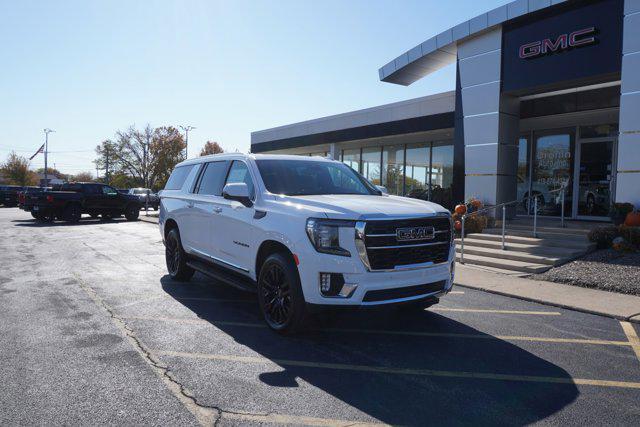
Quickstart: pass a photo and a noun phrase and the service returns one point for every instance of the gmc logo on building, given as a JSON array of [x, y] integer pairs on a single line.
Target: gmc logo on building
[[578, 38]]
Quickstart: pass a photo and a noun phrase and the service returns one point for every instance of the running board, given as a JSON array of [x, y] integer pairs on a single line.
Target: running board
[[223, 275]]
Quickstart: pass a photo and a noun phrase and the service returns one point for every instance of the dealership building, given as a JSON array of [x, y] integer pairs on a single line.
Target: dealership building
[[547, 96]]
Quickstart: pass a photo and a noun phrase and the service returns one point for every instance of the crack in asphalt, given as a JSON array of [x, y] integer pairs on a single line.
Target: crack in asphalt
[[205, 414]]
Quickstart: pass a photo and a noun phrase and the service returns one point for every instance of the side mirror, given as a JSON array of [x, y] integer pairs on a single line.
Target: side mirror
[[382, 189], [239, 192]]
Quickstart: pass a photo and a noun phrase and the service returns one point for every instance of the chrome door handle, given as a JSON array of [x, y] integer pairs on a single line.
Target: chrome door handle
[[217, 210]]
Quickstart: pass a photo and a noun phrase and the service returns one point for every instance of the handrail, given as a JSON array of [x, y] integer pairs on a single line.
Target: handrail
[[504, 205]]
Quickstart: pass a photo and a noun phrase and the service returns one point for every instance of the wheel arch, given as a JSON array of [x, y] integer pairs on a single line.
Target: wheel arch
[[169, 225], [269, 247]]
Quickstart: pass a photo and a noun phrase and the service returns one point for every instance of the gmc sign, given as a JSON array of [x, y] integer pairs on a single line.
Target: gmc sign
[[583, 37]]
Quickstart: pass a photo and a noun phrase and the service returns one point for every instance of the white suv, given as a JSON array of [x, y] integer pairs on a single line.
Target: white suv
[[303, 232]]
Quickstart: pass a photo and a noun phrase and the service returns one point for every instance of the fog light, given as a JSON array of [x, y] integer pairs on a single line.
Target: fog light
[[332, 285], [325, 282]]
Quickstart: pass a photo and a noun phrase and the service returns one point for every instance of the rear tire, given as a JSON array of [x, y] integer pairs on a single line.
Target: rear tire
[[72, 213], [132, 212], [280, 294], [176, 257]]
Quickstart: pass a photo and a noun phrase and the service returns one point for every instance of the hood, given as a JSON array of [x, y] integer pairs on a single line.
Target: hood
[[353, 207]]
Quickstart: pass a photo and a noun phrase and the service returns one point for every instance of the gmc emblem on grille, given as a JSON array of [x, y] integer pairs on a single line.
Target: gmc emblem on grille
[[415, 233]]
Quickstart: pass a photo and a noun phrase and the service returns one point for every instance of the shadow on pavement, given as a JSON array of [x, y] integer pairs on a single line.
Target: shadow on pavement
[[392, 398]]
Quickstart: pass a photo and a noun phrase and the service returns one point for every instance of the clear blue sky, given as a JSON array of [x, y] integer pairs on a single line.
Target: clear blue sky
[[88, 68]]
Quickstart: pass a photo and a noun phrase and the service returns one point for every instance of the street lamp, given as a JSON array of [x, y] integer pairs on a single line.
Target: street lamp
[[47, 131], [186, 130]]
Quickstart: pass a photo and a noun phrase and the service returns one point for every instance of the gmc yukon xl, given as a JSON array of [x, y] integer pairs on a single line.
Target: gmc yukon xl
[[304, 233]]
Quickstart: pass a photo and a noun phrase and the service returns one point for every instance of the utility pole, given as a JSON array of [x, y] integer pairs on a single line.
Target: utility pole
[[106, 173], [186, 130], [47, 131]]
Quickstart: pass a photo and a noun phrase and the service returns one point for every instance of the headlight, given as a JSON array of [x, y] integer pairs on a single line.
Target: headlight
[[325, 235]]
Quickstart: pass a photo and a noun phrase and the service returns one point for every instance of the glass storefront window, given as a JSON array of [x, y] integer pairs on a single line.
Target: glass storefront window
[[417, 178], [371, 167], [442, 174], [393, 169], [599, 131], [552, 168], [352, 159], [522, 175]]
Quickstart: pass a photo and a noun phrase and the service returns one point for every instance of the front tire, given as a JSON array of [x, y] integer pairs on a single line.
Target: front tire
[[72, 213], [132, 212], [280, 294], [176, 257]]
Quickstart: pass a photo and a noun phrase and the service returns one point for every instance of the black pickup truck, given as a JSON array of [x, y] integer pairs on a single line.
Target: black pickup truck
[[69, 201], [9, 195]]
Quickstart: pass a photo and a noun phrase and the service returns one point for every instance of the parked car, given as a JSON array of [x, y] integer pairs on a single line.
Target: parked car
[[146, 197], [9, 195], [305, 233], [69, 201]]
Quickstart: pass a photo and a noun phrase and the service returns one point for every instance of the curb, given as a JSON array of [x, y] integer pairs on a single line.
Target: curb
[[634, 318], [148, 219]]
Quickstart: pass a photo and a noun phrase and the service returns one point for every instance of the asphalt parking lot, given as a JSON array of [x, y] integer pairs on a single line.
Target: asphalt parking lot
[[92, 331]]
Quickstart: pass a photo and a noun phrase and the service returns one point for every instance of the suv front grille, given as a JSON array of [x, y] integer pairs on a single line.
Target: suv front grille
[[385, 252]]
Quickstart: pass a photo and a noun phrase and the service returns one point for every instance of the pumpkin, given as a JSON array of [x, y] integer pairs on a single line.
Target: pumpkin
[[632, 219], [461, 209], [476, 203], [457, 225]]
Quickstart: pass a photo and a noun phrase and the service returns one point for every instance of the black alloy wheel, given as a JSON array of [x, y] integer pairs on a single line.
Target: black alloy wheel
[[280, 294], [132, 212], [176, 258]]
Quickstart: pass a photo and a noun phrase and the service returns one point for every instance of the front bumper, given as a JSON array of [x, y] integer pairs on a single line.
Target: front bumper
[[354, 272]]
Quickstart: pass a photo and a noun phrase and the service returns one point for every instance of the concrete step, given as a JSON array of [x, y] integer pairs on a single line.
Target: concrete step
[[512, 255], [541, 234], [531, 248], [559, 230], [506, 264], [555, 241]]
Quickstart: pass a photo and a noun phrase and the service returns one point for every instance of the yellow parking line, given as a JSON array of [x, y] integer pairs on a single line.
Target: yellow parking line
[[399, 333], [294, 420], [632, 336], [479, 310], [401, 371]]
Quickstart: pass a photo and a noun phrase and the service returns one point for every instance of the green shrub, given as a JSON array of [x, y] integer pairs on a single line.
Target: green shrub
[[603, 236]]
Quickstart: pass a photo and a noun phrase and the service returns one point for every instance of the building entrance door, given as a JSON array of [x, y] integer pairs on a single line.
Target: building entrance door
[[593, 178]]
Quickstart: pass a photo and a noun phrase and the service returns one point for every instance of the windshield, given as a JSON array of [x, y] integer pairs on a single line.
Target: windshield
[[308, 177]]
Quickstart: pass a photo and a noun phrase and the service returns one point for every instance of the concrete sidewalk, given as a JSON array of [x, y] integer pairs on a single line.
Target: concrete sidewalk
[[610, 304], [151, 218]]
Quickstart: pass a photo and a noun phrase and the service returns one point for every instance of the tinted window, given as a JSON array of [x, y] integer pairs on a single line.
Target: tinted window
[[240, 173], [178, 177], [212, 178], [302, 177], [109, 190]]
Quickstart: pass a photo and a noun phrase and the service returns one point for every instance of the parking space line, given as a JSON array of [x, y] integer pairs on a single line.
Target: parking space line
[[480, 310], [632, 336], [456, 293], [401, 371], [399, 333], [295, 420]]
